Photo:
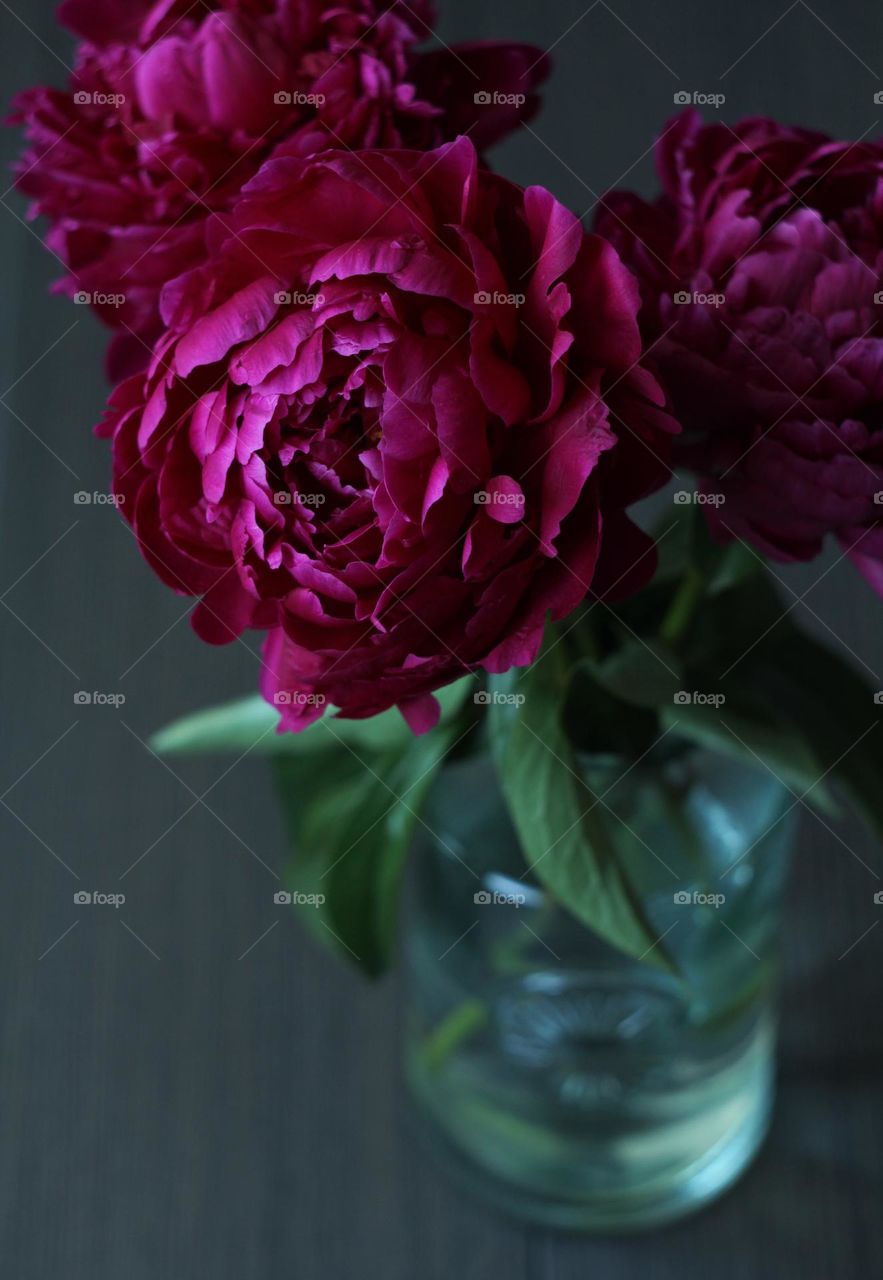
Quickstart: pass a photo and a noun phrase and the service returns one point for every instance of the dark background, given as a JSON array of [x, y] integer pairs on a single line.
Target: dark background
[[188, 1085]]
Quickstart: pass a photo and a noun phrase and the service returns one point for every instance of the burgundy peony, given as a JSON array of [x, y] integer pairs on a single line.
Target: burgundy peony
[[174, 106], [398, 431], [760, 275]]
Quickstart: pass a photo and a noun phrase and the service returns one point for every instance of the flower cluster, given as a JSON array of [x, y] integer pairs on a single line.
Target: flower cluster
[[173, 107], [391, 409], [397, 430], [760, 273]]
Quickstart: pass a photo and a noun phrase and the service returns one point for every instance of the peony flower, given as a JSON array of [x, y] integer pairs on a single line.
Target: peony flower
[[174, 106], [760, 274], [397, 431]]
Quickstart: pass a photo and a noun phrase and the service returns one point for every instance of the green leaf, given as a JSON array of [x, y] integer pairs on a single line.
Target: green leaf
[[685, 542], [598, 722], [704, 552], [642, 673], [733, 631], [249, 724], [351, 815], [737, 563], [232, 726], [691, 569], [672, 535], [732, 623], [558, 820], [835, 709], [742, 733]]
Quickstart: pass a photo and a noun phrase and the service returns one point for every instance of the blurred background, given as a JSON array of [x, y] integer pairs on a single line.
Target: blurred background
[[189, 1085]]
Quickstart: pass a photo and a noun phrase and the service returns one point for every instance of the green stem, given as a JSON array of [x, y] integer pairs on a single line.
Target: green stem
[[673, 804], [473, 1015], [683, 607], [459, 1025]]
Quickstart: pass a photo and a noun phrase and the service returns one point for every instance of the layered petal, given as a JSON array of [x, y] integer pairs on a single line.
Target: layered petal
[[173, 108], [386, 433], [760, 276]]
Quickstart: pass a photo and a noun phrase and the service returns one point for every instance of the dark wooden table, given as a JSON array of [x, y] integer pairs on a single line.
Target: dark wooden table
[[189, 1087]]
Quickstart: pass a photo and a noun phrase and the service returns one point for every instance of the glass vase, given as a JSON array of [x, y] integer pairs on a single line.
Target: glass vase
[[560, 1079]]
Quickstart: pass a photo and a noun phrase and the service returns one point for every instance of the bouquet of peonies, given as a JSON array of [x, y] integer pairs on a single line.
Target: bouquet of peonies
[[391, 410]]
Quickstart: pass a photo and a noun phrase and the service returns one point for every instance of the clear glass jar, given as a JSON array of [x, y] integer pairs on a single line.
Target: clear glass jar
[[562, 1080]]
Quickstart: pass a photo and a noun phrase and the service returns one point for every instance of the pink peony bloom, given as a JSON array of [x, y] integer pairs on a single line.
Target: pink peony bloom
[[760, 271], [398, 431], [174, 106]]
